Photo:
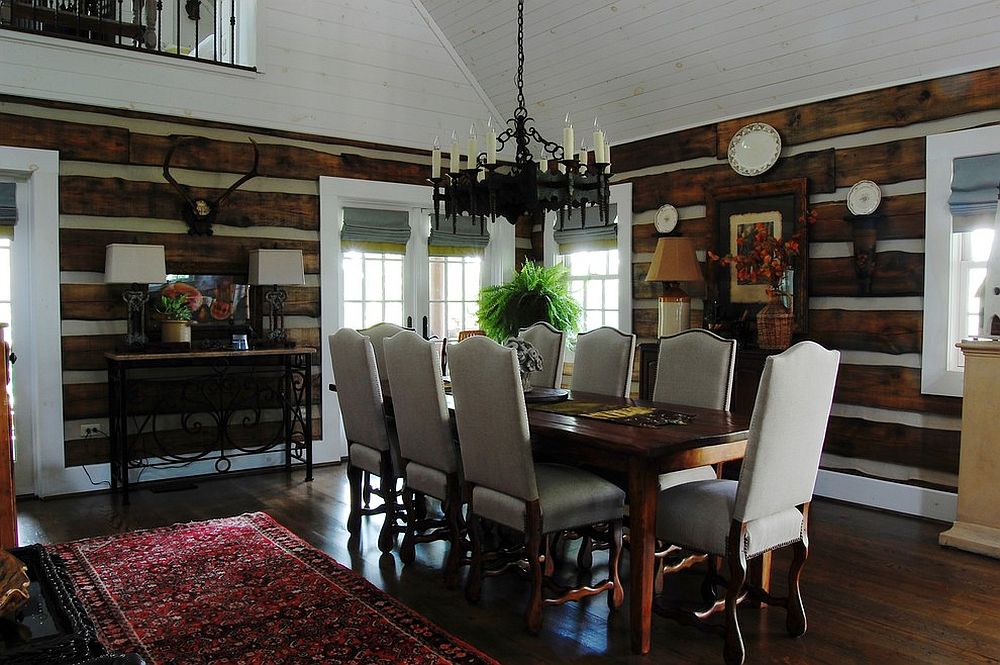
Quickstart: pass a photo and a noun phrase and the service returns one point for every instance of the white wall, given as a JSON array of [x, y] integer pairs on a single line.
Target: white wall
[[374, 71]]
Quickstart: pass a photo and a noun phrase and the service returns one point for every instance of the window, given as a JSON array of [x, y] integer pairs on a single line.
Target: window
[[594, 284], [374, 291], [972, 251], [454, 294]]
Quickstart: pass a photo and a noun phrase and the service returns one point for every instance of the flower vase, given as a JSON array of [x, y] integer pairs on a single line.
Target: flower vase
[[775, 323]]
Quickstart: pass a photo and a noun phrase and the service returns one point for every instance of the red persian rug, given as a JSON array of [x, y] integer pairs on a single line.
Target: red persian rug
[[244, 590]]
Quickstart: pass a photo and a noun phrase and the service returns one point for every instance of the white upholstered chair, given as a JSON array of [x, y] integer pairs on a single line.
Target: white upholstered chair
[[603, 362], [429, 454], [378, 333], [550, 344], [506, 486], [694, 368], [768, 507], [371, 444]]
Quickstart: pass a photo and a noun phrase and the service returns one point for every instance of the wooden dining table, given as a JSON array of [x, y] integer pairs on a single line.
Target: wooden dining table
[[640, 455]]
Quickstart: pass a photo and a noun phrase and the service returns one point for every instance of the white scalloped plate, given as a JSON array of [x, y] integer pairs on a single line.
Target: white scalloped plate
[[863, 198], [754, 149]]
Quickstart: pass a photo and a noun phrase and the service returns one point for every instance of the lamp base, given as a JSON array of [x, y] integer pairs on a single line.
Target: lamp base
[[674, 311]]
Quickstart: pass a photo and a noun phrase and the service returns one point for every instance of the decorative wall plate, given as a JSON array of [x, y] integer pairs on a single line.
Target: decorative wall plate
[[754, 149], [863, 198], [666, 219]]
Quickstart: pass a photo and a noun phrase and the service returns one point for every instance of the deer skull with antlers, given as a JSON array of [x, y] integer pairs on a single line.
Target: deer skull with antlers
[[200, 214]]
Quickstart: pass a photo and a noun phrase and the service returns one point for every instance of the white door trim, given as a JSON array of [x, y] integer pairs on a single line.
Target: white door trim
[[39, 343]]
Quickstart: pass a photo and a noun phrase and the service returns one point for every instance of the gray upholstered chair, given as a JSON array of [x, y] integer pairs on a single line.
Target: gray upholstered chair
[[378, 333], [694, 368], [550, 343], [506, 486], [371, 444], [603, 362], [768, 507], [428, 453]]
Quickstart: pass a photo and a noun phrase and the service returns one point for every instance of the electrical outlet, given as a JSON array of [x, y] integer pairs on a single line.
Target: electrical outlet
[[90, 430]]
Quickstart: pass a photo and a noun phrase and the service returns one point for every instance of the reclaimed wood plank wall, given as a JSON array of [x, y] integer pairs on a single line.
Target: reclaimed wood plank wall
[[881, 425], [112, 190]]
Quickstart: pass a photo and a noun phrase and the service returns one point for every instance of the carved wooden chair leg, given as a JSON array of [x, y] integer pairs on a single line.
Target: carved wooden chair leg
[[734, 652], [453, 517], [616, 595], [387, 536], [474, 582], [711, 579], [533, 615], [366, 490], [407, 549], [585, 555], [795, 622], [550, 562], [354, 477], [420, 505]]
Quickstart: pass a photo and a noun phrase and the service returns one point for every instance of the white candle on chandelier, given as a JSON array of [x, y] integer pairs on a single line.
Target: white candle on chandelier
[[568, 139], [491, 142], [599, 153], [473, 148], [543, 165], [607, 152], [582, 155], [456, 156], [436, 159]]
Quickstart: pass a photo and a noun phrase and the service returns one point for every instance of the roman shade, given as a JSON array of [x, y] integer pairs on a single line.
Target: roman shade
[[973, 200], [462, 237], [374, 230], [574, 235]]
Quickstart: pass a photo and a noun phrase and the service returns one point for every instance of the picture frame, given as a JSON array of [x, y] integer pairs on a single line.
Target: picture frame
[[220, 305], [731, 212]]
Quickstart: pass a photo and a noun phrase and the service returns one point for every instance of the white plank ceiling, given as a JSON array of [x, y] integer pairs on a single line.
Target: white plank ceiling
[[649, 67]]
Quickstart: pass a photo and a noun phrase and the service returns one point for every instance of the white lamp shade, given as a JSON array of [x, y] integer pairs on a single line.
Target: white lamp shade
[[134, 264], [281, 267]]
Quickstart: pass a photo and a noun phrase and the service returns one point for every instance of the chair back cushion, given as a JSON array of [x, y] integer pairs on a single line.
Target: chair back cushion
[[358, 390], [492, 421], [603, 362], [787, 430], [418, 403], [549, 343], [378, 333], [695, 367]]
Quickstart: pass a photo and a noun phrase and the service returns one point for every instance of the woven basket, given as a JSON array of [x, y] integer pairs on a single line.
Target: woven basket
[[775, 325]]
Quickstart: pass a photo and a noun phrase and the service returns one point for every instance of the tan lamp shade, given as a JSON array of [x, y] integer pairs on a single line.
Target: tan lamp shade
[[674, 261], [134, 264], [282, 267]]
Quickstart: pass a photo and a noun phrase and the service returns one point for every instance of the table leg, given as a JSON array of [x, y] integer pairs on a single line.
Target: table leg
[[291, 406], [307, 433], [123, 432], [642, 495], [113, 441]]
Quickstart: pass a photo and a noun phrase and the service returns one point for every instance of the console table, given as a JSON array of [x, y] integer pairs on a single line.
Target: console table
[[172, 409]]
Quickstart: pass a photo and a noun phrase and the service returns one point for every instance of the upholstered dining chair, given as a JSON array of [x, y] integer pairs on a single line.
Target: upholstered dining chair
[[506, 486], [694, 368], [378, 333], [371, 444], [428, 453], [603, 362], [768, 507], [550, 343]]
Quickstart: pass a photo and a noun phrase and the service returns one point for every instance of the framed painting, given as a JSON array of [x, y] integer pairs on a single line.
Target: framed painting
[[218, 304], [733, 214]]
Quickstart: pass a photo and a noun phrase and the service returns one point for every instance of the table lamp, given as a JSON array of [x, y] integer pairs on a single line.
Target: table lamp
[[276, 268], [674, 261], [139, 266]]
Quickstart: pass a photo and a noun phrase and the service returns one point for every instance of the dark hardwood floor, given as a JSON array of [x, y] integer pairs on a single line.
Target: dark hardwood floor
[[877, 587]]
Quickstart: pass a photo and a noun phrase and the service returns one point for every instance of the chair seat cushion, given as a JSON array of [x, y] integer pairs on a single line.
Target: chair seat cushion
[[365, 458], [427, 480], [569, 497], [674, 478], [697, 515]]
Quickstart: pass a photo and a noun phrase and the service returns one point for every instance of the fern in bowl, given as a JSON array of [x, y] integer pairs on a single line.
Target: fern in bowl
[[536, 293]]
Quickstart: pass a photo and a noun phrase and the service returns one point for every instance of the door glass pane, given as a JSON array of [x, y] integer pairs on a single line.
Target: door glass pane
[[373, 279], [394, 312], [373, 313], [394, 280], [353, 272], [354, 315], [437, 280]]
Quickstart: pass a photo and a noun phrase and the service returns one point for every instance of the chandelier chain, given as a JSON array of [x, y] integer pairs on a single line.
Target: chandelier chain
[[520, 55]]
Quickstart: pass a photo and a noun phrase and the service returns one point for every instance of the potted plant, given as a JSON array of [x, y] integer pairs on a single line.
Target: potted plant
[[176, 313], [536, 293]]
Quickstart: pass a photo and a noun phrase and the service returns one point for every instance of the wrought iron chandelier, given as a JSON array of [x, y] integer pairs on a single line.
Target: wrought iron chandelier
[[559, 182]]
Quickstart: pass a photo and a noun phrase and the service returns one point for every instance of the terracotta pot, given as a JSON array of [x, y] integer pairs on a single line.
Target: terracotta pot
[[775, 324], [175, 331]]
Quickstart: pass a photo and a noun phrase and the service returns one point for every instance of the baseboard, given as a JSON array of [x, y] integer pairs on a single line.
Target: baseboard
[[887, 495]]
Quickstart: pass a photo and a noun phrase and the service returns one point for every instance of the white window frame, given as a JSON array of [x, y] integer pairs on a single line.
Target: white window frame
[[942, 149], [621, 196], [336, 194]]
